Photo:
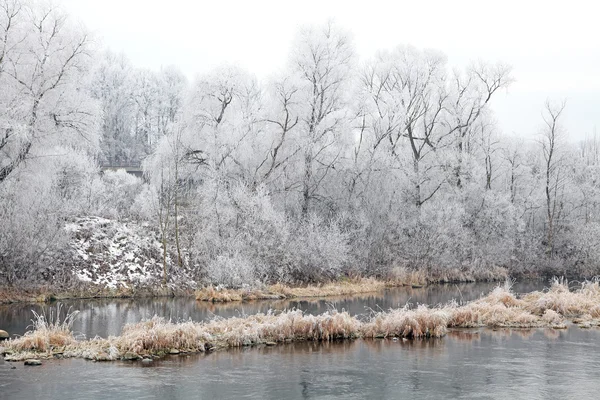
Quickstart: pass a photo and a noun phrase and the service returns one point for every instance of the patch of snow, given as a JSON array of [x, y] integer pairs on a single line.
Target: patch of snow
[[116, 254]]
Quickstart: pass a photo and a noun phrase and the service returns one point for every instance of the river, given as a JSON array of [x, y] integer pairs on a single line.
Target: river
[[481, 363]]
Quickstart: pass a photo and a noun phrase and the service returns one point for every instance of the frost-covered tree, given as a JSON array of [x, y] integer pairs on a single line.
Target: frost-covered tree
[[330, 167], [138, 107], [48, 125], [321, 66], [555, 169], [42, 65], [220, 117], [112, 86]]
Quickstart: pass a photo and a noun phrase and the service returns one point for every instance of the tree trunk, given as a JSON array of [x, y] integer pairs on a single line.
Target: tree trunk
[[306, 182], [179, 258]]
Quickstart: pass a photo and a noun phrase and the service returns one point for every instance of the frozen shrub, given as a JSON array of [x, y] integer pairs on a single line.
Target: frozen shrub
[[318, 251], [233, 271], [239, 230], [34, 205], [120, 192]]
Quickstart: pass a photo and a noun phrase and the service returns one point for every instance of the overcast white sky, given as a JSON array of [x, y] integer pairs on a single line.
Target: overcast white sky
[[553, 46]]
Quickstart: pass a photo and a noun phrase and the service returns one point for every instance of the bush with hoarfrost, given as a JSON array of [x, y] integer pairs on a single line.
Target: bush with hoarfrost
[[145, 203], [497, 228], [581, 243], [318, 252], [120, 190], [233, 271], [435, 238], [35, 203], [241, 238]]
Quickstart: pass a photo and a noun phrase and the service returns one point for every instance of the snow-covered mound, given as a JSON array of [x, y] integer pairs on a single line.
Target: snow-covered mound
[[115, 254]]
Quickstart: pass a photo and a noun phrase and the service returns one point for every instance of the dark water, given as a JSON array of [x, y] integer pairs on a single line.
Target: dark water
[[104, 317], [523, 364]]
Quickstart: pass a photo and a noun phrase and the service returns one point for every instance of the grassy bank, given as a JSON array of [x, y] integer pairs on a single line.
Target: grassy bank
[[398, 277], [212, 294], [281, 291], [45, 294], [157, 337], [343, 287]]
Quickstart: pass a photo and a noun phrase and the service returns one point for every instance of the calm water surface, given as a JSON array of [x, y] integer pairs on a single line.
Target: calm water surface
[[104, 317], [527, 364]]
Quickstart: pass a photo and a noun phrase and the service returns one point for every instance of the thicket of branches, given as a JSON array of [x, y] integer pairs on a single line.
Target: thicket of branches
[[333, 166]]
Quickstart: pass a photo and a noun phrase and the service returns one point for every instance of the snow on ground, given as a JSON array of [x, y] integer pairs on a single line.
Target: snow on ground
[[116, 254]]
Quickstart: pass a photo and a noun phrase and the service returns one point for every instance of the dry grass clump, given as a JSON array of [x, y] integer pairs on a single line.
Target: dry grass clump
[[500, 308], [483, 314], [404, 276], [97, 349], [348, 287], [503, 295], [474, 274], [158, 335], [39, 294], [561, 299], [286, 326], [155, 336], [48, 333], [553, 318], [400, 276], [217, 296], [14, 355], [422, 322]]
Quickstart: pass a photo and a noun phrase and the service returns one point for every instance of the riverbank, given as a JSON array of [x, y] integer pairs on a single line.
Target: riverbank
[[157, 337], [48, 294], [281, 291], [343, 287], [108, 258], [347, 287]]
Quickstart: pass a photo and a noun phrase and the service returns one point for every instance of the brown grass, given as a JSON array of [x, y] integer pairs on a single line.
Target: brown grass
[[48, 333], [45, 294], [281, 291], [343, 288], [286, 326], [10, 295], [398, 276], [571, 304], [422, 322], [157, 337], [215, 295], [500, 308]]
